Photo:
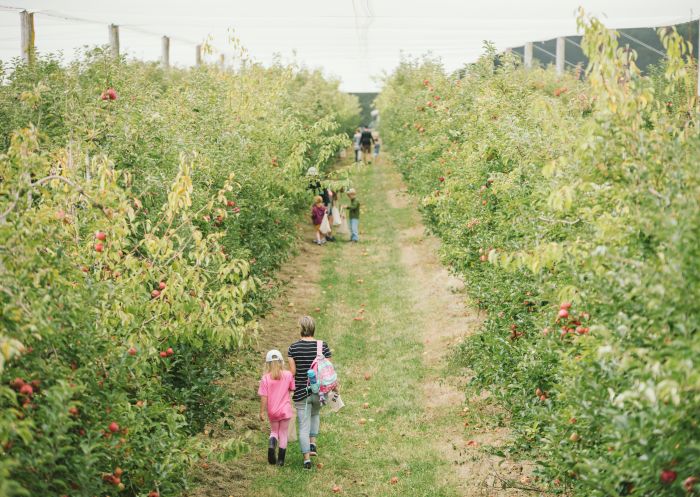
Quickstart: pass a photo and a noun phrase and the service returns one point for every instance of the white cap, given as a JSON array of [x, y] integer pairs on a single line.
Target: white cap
[[274, 355], [351, 190], [312, 171]]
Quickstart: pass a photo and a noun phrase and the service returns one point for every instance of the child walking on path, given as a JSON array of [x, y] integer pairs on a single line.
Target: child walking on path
[[317, 212], [354, 216], [301, 355], [274, 389]]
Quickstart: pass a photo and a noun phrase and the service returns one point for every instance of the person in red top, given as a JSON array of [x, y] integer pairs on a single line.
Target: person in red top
[[317, 212], [274, 389]]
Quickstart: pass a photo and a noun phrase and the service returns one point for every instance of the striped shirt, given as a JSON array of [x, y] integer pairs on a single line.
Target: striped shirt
[[304, 352]]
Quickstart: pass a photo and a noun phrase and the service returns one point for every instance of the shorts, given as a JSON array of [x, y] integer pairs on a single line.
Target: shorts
[[366, 148]]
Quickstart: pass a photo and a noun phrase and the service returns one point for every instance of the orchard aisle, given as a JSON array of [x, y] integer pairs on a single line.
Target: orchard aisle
[[389, 311]]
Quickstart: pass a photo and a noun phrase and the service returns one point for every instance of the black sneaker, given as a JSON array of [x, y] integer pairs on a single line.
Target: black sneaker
[[271, 458], [307, 465], [330, 238], [312, 450], [280, 457]]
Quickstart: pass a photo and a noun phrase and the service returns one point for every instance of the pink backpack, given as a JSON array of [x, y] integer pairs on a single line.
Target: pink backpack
[[325, 372]]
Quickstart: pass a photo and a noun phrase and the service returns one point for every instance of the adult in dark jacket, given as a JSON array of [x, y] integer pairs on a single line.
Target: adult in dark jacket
[[366, 142]]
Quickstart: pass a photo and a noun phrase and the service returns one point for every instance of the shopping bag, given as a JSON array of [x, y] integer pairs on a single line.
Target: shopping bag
[[325, 225], [336, 216], [342, 228], [335, 402], [292, 431]]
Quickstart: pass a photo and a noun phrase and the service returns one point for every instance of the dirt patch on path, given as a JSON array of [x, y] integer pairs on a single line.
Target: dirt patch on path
[[399, 199], [440, 297]]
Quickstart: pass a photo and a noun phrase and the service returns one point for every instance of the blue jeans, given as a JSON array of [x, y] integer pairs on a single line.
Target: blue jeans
[[355, 230], [309, 417]]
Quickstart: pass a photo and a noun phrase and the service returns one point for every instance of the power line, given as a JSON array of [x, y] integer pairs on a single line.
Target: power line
[[59, 15], [552, 55], [573, 42], [630, 37]]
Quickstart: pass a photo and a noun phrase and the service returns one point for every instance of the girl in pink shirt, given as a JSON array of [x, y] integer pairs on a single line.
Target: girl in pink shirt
[[274, 389]]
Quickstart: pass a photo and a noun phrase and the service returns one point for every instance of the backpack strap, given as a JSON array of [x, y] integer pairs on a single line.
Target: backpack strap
[[319, 348]]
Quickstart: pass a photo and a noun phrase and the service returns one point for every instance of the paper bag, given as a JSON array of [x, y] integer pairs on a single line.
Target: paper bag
[[335, 402], [325, 225]]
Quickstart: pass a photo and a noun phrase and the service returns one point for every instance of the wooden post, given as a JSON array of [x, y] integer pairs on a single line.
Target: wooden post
[[528, 55], [198, 55], [165, 52], [27, 38], [113, 31], [222, 60], [561, 51], [698, 60]]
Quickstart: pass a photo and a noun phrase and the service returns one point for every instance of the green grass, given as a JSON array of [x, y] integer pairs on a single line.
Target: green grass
[[397, 439]]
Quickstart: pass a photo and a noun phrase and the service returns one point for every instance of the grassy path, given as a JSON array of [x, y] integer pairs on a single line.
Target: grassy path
[[390, 312], [368, 316]]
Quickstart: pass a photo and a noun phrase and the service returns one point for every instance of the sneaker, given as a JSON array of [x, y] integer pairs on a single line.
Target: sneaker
[[330, 238], [312, 450], [307, 465], [271, 458]]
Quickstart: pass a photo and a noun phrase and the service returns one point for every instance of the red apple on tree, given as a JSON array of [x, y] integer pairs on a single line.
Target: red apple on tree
[[161, 285], [155, 294], [689, 483], [170, 351], [99, 247], [563, 313], [17, 383], [101, 235], [113, 427], [132, 351], [668, 476]]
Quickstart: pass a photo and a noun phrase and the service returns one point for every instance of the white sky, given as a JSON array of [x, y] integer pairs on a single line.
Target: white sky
[[355, 40]]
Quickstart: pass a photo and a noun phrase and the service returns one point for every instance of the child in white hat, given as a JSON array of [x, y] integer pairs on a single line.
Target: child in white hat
[[274, 389]]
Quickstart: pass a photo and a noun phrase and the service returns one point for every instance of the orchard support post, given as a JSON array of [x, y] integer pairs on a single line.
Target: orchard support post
[[561, 57], [198, 55], [698, 61], [113, 31], [528, 55], [222, 61], [165, 52], [28, 50]]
